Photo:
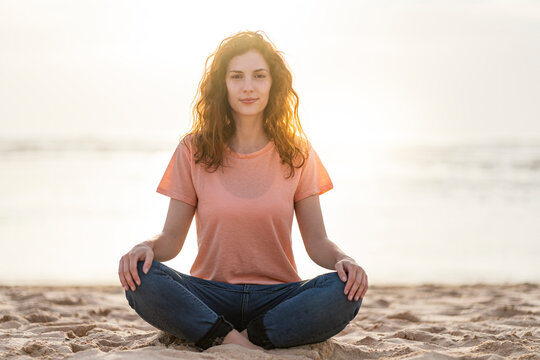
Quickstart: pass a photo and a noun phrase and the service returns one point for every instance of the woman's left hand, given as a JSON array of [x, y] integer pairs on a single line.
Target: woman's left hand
[[352, 273]]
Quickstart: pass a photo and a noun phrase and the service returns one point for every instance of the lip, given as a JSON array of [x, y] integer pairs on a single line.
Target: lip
[[248, 100]]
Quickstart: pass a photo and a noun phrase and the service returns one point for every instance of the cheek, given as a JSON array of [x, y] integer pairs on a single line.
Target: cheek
[[228, 87], [231, 91], [231, 86], [267, 88], [230, 97]]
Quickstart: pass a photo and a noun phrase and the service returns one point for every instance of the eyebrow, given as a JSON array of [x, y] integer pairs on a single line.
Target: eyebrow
[[238, 71]]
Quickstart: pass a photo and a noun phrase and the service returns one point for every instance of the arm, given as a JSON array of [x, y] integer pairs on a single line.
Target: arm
[[167, 244], [162, 247], [323, 251]]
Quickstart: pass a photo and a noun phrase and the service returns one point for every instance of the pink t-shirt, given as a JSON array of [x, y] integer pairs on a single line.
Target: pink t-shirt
[[244, 212]]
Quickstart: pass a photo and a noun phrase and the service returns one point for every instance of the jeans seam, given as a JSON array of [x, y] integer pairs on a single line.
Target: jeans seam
[[219, 288], [239, 291], [266, 291], [243, 308], [203, 282]]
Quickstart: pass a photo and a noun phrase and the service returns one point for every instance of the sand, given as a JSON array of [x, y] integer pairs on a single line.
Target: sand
[[394, 322]]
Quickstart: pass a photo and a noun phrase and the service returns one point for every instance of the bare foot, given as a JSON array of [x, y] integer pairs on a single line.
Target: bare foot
[[234, 337]]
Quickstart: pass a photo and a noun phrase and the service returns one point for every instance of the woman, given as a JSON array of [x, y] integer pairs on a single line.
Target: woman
[[244, 169]]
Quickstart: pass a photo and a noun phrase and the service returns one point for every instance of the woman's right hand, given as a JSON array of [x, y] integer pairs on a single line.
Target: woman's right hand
[[127, 269]]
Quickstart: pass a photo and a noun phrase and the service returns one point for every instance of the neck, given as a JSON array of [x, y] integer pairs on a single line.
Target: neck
[[249, 136]]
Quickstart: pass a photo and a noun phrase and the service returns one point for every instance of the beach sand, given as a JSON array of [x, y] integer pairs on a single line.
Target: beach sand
[[394, 322]]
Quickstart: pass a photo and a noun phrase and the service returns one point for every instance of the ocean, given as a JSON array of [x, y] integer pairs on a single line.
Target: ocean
[[454, 213]]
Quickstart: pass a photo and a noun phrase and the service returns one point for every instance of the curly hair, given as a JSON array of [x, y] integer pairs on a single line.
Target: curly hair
[[213, 123]]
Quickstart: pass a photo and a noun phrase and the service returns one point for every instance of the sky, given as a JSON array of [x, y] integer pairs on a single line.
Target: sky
[[373, 71]]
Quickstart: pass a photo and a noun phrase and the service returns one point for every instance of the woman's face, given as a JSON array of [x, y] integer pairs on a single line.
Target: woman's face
[[248, 82]]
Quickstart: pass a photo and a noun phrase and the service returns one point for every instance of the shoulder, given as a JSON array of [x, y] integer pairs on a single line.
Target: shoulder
[[302, 143], [187, 139], [302, 150], [187, 143]]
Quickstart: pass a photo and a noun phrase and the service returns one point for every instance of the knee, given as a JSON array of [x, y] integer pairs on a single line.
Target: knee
[[146, 278], [147, 282], [341, 300]]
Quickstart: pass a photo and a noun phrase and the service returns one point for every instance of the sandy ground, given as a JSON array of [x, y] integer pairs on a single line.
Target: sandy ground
[[398, 322]]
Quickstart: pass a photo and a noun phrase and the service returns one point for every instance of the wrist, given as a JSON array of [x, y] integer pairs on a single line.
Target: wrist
[[148, 243], [345, 257]]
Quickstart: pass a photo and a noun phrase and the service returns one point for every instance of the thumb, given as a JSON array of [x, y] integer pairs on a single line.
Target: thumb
[[341, 272], [147, 261]]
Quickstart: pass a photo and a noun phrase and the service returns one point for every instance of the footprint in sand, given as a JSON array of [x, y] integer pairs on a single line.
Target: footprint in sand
[[433, 329], [379, 303], [37, 348], [368, 340], [67, 300], [404, 316], [414, 335], [40, 317], [75, 347], [505, 348], [100, 312], [506, 311], [81, 330], [23, 296], [10, 318]]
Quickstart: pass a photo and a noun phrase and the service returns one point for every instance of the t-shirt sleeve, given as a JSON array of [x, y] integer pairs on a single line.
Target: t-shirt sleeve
[[314, 179], [177, 182]]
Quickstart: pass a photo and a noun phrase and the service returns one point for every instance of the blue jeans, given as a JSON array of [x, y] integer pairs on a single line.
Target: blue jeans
[[275, 316]]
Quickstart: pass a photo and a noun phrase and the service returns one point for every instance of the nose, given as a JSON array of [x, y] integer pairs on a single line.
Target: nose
[[248, 85]]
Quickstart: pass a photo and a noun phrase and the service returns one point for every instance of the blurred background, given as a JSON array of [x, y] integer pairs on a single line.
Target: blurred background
[[425, 113]]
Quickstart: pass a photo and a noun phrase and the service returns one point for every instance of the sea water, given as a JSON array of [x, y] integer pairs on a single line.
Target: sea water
[[417, 213]]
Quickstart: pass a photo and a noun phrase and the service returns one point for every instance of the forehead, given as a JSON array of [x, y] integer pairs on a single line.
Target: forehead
[[248, 61]]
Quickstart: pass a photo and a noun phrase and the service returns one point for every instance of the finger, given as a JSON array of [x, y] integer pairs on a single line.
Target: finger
[[362, 288], [127, 275], [365, 286], [121, 274], [147, 262], [354, 289], [355, 285], [341, 272], [133, 270], [350, 280]]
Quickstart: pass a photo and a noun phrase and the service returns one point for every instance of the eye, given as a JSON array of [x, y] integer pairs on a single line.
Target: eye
[[237, 76], [261, 76]]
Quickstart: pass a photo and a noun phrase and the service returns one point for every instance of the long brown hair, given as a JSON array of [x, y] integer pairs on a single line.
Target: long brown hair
[[213, 124]]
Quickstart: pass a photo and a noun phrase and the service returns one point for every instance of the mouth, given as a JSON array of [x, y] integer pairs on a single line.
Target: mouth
[[248, 100]]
